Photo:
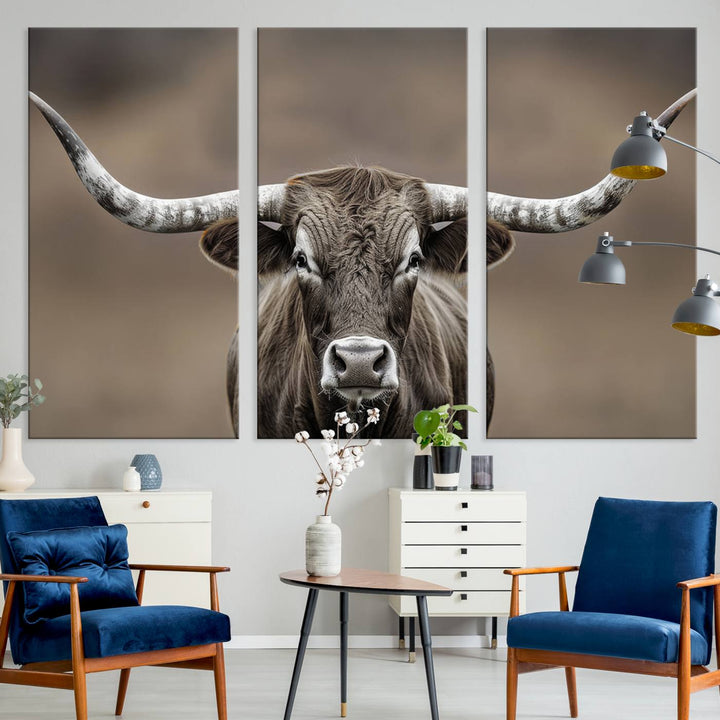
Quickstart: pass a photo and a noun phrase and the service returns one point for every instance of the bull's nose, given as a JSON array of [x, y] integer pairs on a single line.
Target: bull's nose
[[363, 365]]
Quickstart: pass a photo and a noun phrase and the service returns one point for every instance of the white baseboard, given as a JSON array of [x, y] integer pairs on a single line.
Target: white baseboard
[[265, 642]]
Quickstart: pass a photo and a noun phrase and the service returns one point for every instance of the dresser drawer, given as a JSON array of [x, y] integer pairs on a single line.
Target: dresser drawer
[[128, 507], [470, 579], [476, 604], [451, 556], [479, 507], [471, 533]]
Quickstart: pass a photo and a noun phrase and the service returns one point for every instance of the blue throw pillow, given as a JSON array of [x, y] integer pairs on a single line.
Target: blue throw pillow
[[97, 553]]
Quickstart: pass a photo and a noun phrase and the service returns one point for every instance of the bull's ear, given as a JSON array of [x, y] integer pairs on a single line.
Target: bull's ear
[[274, 248], [445, 247], [219, 244], [499, 243]]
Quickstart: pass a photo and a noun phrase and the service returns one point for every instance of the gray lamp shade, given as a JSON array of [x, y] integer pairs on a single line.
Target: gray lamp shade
[[698, 315], [640, 157], [603, 268]]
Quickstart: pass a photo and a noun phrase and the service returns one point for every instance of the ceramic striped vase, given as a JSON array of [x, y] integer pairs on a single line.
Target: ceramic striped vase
[[323, 548]]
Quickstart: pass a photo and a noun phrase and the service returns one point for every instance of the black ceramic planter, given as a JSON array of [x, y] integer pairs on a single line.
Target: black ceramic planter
[[446, 467]]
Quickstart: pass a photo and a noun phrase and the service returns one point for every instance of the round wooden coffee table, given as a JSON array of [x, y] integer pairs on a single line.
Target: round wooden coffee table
[[369, 582]]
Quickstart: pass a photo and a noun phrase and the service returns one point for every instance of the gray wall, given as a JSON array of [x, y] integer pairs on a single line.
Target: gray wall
[[263, 490]]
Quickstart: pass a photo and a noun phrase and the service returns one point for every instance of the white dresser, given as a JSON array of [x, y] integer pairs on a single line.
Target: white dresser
[[461, 539], [172, 527]]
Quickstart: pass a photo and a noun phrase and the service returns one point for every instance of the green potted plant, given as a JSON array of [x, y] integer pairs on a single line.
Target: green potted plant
[[17, 395], [437, 428]]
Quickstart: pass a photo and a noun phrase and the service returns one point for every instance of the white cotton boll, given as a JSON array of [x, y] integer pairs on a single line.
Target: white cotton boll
[[302, 436], [359, 463], [352, 428], [341, 418], [328, 434], [357, 450]]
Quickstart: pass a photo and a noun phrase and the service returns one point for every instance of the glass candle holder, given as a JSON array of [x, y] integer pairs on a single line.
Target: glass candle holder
[[481, 472]]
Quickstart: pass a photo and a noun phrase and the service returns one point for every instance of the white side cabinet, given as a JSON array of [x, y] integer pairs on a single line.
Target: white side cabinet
[[164, 528], [462, 540]]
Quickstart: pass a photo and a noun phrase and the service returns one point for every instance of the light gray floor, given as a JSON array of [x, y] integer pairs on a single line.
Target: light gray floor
[[471, 684]]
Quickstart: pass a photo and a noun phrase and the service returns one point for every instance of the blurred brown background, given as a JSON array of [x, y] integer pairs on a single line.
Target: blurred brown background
[[129, 330], [390, 97], [576, 360]]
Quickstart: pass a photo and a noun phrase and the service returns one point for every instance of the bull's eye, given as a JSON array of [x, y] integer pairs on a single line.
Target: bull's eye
[[301, 261], [415, 261]]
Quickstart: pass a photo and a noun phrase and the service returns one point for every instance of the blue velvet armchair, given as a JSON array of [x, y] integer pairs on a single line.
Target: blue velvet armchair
[[643, 601], [71, 607]]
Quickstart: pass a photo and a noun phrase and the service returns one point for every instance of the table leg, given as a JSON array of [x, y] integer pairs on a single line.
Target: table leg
[[343, 652], [426, 639], [493, 642], [411, 652], [302, 646], [401, 632]]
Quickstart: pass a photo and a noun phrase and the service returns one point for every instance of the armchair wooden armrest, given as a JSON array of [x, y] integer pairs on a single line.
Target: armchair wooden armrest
[[516, 573], [708, 581], [541, 570], [179, 568], [210, 569], [43, 578]]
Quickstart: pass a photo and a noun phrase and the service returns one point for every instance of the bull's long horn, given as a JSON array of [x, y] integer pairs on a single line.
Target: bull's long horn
[[140, 211], [574, 211], [447, 202], [270, 202]]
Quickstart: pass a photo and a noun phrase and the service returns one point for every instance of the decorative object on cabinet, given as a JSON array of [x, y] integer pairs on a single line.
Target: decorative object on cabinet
[[100, 628], [149, 469], [323, 539], [481, 477], [436, 428], [422, 466], [368, 582], [533, 397], [131, 481], [462, 541], [633, 610], [17, 395], [168, 527]]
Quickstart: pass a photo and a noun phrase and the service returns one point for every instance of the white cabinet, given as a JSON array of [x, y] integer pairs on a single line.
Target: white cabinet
[[463, 540], [164, 528]]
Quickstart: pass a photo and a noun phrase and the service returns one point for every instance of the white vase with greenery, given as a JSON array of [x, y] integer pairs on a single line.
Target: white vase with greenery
[[17, 395]]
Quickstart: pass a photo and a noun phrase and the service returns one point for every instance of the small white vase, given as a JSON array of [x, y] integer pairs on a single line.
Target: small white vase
[[132, 482], [14, 476], [323, 548]]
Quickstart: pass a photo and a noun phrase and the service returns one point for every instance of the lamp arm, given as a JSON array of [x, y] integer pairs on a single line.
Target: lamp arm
[[629, 243], [660, 132], [692, 147]]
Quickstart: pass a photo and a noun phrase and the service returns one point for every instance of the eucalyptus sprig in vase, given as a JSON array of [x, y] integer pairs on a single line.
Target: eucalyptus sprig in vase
[[17, 395], [323, 539]]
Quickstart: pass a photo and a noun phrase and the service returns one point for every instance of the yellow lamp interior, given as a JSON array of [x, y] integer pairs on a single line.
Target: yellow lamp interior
[[696, 328], [638, 172]]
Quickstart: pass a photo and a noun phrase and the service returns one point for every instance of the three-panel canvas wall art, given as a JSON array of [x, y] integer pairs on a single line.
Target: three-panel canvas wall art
[[363, 232]]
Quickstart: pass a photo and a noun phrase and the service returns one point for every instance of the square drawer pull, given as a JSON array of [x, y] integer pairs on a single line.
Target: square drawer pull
[[464, 505], [463, 596], [463, 573], [463, 528], [463, 551]]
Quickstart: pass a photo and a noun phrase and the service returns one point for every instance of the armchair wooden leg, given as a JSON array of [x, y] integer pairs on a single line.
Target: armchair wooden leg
[[512, 684], [572, 690], [122, 691], [684, 668], [78, 656], [220, 691]]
